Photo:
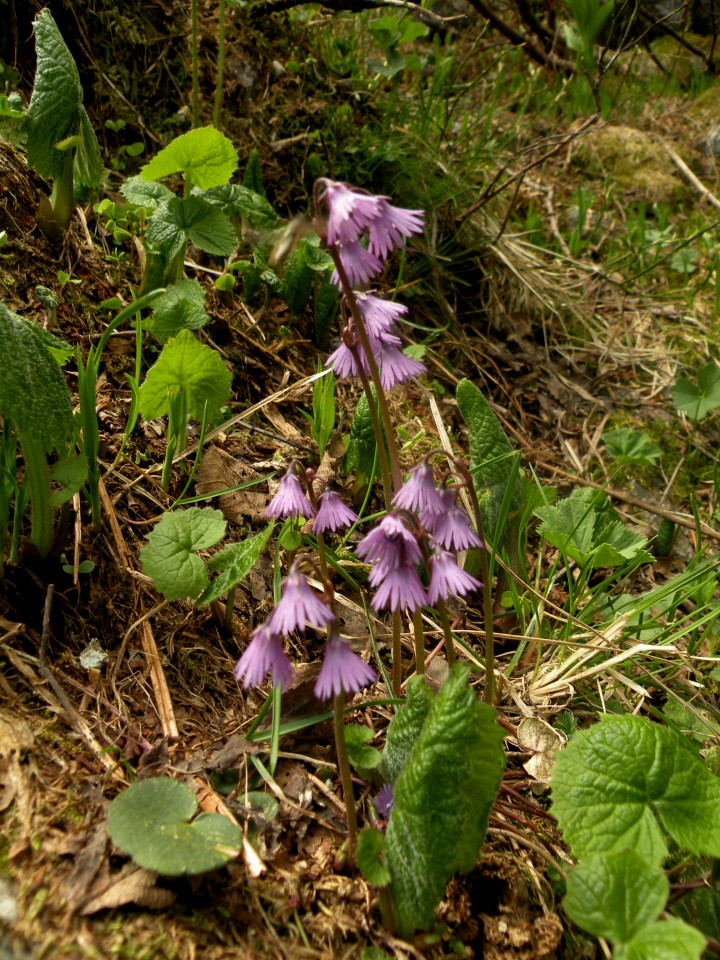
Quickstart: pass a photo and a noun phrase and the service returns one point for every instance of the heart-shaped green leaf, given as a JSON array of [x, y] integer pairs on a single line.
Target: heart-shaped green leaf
[[152, 821], [170, 556]]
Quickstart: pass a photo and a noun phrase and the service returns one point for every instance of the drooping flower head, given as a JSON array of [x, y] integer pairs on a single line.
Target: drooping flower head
[[290, 499], [264, 654], [451, 529], [380, 315], [390, 544], [419, 493], [342, 671], [383, 800], [448, 578], [398, 589], [352, 213], [298, 606], [333, 513]]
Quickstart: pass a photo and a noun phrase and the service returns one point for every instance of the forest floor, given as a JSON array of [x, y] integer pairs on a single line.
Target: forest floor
[[574, 297]]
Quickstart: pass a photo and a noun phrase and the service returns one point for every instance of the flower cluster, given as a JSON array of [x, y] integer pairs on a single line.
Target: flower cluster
[[351, 217], [428, 516], [300, 606]]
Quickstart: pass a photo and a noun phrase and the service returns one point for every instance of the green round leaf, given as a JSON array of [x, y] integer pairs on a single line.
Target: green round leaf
[[169, 558], [152, 822], [204, 156]]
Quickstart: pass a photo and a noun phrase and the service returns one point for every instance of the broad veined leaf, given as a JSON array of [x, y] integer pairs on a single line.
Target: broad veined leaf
[[145, 193], [56, 112], [618, 784], [238, 201], [616, 895], [179, 219], [585, 527], [170, 557], [234, 562], [186, 365], [180, 307], [492, 457], [442, 800], [697, 400], [33, 391], [204, 156], [665, 940], [154, 822]]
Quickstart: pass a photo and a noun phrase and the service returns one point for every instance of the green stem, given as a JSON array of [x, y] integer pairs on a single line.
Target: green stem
[[195, 71], [130, 310], [447, 632], [345, 775], [378, 431], [229, 608], [221, 65], [397, 653], [62, 193], [419, 633]]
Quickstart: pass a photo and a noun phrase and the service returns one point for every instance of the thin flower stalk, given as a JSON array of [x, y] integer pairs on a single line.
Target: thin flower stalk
[[345, 773]]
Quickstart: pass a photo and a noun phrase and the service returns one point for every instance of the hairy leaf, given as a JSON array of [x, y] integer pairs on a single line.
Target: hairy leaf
[[56, 112], [33, 391], [153, 822], [178, 220], [405, 728], [618, 784], [205, 157], [186, 365], [442, 800], [145, 194], [170, 557]]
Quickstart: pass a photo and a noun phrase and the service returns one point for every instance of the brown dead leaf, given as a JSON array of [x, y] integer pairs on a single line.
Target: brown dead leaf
[[544, 741], [219, 470], [15, 734], [86, 867], [131, 885]]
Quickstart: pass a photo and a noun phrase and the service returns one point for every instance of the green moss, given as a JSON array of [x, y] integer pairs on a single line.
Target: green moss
[[632, 161]]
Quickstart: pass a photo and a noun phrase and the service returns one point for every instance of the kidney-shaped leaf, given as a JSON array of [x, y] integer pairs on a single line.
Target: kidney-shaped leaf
[[616, 895], [152, 821], [204, 156], [170, 557], [187, 365], [616, 783], [665, 940]]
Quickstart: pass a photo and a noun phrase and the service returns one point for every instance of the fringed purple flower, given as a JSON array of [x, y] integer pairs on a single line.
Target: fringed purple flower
[[390, 544], [451, 529], [396, 367], [359, 264], [399, 589], [298, 605], [380, 315], [333, 513], [290, 499], [448, 578], [383, 801], [419, 493], [342, 671], [352, 212], [390, 228], [264, 654]]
